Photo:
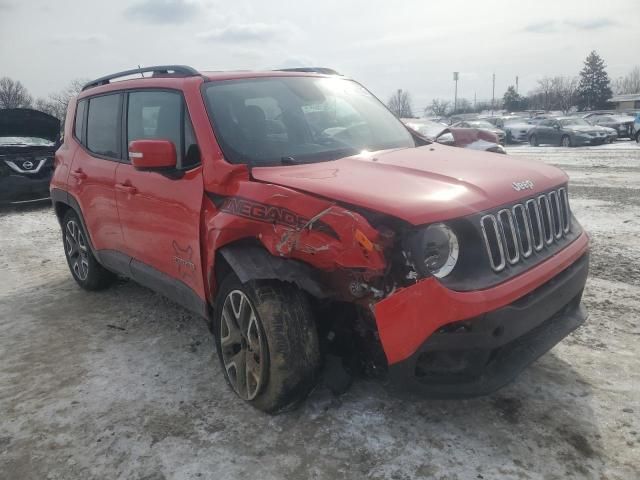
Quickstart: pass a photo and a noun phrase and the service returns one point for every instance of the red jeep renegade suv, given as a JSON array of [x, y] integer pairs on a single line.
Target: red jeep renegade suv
[[294, 211]]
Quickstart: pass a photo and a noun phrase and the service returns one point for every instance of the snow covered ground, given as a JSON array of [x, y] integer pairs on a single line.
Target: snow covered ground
[[125, 384]]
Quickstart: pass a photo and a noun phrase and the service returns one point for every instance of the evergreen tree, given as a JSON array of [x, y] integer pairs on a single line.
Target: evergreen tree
[[594, 89], [513, 101]]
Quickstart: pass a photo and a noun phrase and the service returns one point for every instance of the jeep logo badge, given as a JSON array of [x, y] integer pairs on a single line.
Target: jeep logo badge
[[523, 185]]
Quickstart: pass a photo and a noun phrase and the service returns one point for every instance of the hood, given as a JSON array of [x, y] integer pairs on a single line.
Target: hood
[[419, 185], [584, 128], [25, 122]]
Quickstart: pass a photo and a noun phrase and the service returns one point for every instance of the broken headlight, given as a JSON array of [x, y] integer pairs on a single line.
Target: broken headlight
[[434, 250]]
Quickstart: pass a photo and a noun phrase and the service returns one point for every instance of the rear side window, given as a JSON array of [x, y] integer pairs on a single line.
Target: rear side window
[[103, 126], [162, 115], [79, 121]]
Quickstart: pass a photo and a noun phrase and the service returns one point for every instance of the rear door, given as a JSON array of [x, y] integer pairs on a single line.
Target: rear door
[[160, 211], [92, 177]]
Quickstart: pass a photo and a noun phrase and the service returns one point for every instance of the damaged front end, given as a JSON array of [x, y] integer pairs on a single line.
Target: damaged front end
[[421, 303]]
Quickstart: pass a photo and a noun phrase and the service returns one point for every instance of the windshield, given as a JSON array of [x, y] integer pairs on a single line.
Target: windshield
[[280, 120], [481, 124], [30, 141], [574, 121]]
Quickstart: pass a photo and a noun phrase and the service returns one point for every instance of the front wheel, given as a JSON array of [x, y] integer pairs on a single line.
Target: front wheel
[[533, 140], [267, 342], [84, 267], [638, 137], [565, 141]]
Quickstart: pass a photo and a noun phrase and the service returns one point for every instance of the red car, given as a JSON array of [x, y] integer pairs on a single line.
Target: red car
[[295, 213]]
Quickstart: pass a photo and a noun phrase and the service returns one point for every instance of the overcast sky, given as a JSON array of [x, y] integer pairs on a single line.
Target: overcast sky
[[413, 44]]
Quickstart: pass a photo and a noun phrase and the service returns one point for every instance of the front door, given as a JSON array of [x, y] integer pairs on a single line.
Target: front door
[[160, 211]]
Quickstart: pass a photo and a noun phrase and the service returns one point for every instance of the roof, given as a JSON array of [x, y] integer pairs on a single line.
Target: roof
[[625, 98], [232, 75], [171, 76]]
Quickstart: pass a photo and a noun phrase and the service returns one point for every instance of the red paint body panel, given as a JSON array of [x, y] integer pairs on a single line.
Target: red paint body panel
[[92, 183], [408, 317], [160, 219], [420, 185]]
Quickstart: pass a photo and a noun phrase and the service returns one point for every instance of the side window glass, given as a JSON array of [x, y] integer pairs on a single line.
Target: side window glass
[[103, 126], [155, 115], [79, 120]]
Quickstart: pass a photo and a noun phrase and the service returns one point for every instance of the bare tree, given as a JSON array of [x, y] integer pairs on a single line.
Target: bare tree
[[566, 89], [630, 83], [555, 93], [438, 108], [13, 94], [56, 104], [400, 104]]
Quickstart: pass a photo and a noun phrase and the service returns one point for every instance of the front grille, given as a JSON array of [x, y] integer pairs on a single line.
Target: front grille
[[512, 234]]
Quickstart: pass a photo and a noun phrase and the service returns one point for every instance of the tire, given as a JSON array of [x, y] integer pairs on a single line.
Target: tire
[[638, 137], [565, 141], [271, 323], [533, 140], [84, 267]]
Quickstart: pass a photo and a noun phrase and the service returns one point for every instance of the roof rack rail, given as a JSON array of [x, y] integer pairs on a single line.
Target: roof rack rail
[[323, 70], [173, 70]]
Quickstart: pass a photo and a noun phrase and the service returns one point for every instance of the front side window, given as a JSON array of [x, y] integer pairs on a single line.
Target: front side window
[[103, 125], [161, 115], [271, 121]]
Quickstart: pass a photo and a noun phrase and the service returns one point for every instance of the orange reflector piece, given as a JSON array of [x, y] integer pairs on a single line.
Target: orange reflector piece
[[363, 241]]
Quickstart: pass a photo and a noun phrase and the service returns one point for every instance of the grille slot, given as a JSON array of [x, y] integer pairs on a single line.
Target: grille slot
[[493, 242], [513, 234]]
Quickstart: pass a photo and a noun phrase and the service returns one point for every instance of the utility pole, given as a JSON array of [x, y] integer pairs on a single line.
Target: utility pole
[[493, 95], [517, 84], [474, 101], [455, 95]]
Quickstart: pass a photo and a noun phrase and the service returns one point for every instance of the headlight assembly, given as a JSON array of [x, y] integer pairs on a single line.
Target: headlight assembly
[[434, 250]]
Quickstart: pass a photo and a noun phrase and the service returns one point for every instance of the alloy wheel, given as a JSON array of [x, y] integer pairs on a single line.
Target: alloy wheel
[[242, 345], [76, 250], [566, 142]]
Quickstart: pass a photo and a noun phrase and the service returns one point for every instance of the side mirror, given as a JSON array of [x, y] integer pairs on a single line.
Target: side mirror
[[556, 126], [446, 139], [152, 154]]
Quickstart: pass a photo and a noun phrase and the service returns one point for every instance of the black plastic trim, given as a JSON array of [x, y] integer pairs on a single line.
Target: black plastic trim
[[163, 70]]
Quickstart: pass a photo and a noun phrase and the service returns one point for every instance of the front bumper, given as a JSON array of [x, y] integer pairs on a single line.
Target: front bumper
[[585, 141], [23, 188], [455, 344]]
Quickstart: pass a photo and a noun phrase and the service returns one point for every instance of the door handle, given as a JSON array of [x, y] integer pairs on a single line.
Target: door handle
[[129, 189], [79, 174]]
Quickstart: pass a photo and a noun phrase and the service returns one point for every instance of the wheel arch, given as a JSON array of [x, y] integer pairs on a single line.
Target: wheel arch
[[249, 260], [63, 202]]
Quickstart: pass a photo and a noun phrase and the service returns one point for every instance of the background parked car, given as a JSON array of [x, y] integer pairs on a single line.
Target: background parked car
[[568, 132], [636, 128], [622, 124], [516, 128], [472, 138], [483, 125], [28, 140]]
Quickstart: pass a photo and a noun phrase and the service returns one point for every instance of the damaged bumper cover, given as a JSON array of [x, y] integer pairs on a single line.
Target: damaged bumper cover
[[449, 344]]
